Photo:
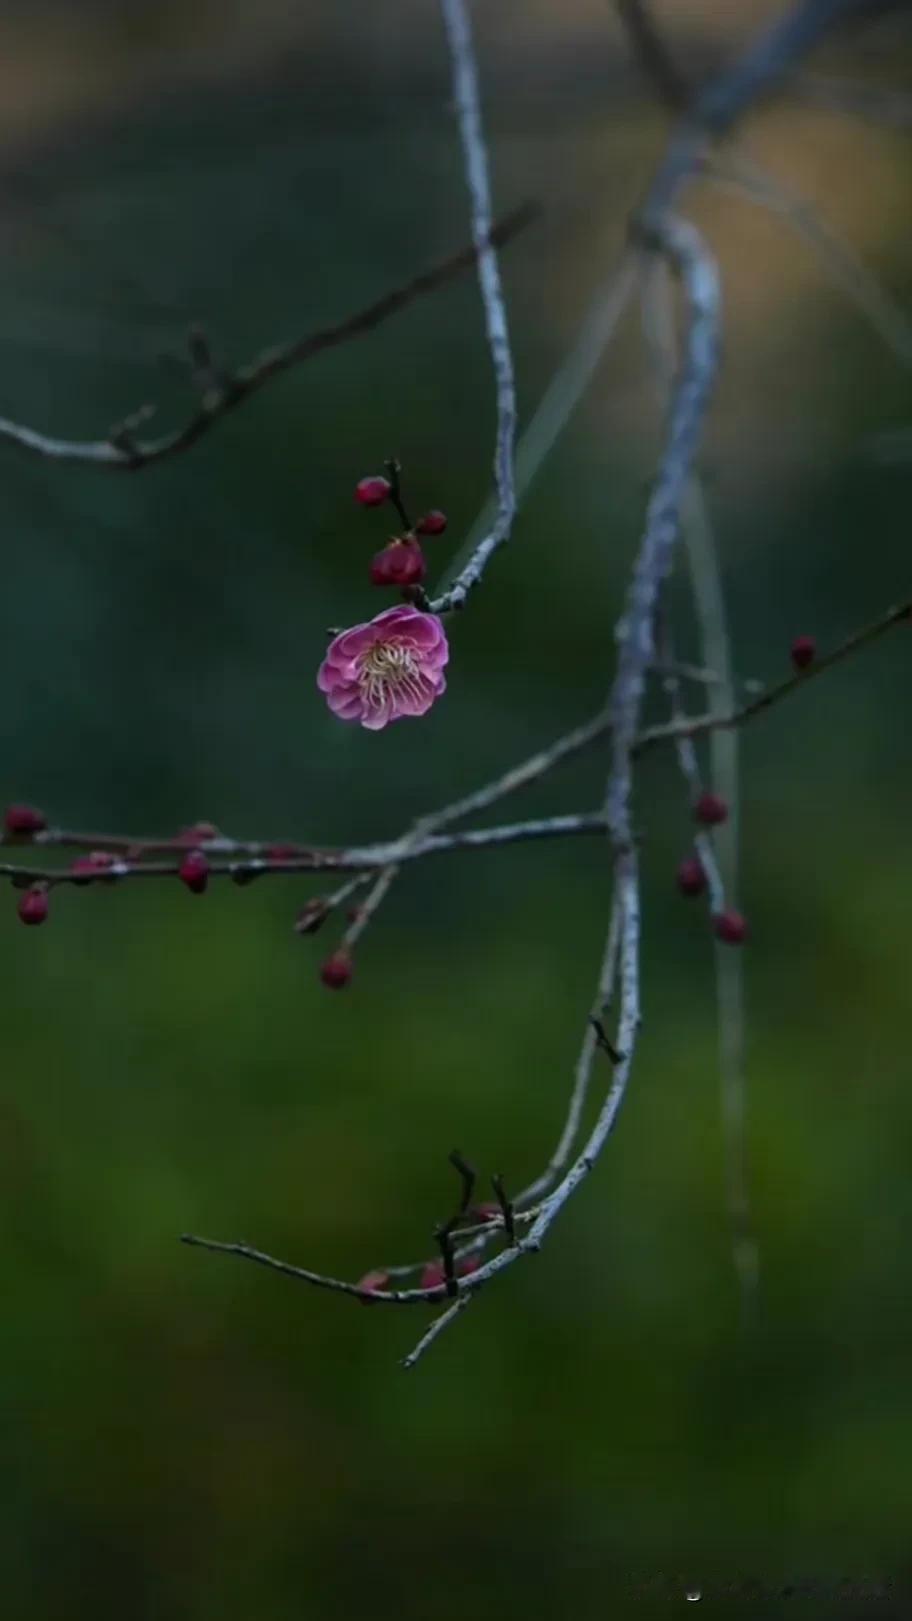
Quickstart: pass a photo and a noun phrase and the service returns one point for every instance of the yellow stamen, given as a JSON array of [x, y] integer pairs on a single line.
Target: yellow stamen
[[386, 668]]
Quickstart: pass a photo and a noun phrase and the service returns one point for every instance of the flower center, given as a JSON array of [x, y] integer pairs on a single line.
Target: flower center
[[387, 668]]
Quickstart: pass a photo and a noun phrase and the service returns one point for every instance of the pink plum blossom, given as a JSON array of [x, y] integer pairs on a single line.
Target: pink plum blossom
[[388, 668]]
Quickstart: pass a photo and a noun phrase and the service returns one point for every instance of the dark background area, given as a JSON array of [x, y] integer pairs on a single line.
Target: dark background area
[[184, 1437]]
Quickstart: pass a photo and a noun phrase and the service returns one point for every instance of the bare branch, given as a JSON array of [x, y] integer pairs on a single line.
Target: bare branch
[[352, 859], [475, 158], [583, 1074], [657, 230], [721, 869], [121, 451], [437, 1327], [783, 689], [561, 397]]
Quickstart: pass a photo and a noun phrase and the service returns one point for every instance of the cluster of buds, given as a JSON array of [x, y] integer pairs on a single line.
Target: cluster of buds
[[710, 810], [401, 562]]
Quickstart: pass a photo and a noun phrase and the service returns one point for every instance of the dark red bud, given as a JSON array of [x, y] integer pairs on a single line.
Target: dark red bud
[[336, 971], [374, 1283], [470, 1264], [804, 651], [487, 1212], [433, 523], [399, 563], [433, 1275], [372, 492], [24, 819], [89, 866], [710, 809], [312, 916], [691, 877], [282, 852], [730, 927], [198, 833], [33, 905], [194, 871]]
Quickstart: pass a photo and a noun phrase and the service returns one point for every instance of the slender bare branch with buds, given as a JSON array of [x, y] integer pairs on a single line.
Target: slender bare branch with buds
[[393, 667]]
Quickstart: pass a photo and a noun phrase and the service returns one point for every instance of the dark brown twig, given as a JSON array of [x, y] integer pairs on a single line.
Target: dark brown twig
[[121, 451]]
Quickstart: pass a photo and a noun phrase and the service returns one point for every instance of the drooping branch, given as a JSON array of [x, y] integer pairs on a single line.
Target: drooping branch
[[657, 230], [475, 162], [717, 854]]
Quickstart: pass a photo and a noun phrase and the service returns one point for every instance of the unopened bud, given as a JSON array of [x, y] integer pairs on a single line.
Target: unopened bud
[[804, 651], [336, 971], [710, 809], [373, 1283], [730, 927], [194, 871], [312, 916], [433, 523], [33, 905], [372, 492], [23, 820], [400, 563], [691, 877]]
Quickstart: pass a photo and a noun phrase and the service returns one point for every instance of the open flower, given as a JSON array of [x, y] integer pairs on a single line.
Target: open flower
[[388, 668]]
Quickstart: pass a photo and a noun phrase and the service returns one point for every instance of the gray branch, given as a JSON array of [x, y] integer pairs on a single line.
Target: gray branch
[[475, 159]]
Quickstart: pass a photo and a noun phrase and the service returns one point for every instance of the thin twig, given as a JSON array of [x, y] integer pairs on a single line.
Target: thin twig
[[319, 1280], [353, 859], [124, 452], [699, 724], [437, 1327]]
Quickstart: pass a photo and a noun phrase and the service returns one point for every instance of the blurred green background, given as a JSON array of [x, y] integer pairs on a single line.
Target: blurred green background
[[187, 1437]]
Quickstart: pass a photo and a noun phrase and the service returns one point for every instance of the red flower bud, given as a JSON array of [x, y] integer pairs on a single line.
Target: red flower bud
[[710, 809], [336, 971], [487, 1212], [374, 1283], [691, 877], [399, 563], [198, 833], [89, 866], [470, 1264], [33, 906], [372, 492], [24, 819], [433, 1275], [730, 927], [194, 871], [433, 523], [312, 916], [804, 652], [282, 852]]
